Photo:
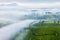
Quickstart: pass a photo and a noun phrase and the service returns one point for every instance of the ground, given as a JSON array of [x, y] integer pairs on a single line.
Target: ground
[[44, 31]]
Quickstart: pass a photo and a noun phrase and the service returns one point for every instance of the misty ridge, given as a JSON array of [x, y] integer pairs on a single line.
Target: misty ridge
[[13, 11]]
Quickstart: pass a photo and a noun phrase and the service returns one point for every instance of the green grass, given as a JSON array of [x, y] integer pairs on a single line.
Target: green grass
[[44, 31]]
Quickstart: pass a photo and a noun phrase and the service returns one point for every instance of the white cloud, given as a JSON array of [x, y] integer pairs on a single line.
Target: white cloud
[[40, 5], [35, 5]]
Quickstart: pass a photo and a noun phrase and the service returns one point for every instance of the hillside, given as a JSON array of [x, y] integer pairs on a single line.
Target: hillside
[[42, 31]]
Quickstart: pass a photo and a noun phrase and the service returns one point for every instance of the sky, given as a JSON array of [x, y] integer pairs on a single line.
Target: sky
[[35, 3]]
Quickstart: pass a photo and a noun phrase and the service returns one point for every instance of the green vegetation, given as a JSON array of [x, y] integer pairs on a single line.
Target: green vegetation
[[44, 31]]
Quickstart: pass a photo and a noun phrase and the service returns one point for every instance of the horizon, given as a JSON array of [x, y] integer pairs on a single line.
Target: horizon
[[33, 3]]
